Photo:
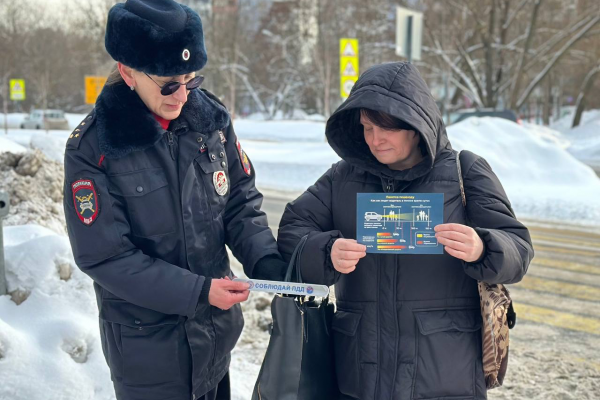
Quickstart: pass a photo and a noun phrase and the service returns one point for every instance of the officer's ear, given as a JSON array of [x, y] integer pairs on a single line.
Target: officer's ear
[[127, 74]]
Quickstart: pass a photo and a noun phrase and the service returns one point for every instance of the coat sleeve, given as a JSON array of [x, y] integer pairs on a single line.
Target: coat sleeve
[[104, 251], [508, 247], [247, 231], [311, 214]]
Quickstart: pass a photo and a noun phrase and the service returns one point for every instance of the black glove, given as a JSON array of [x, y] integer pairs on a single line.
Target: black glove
[[270, 268]]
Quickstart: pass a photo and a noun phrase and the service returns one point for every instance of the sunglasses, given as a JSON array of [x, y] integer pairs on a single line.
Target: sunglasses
[[171, 87]]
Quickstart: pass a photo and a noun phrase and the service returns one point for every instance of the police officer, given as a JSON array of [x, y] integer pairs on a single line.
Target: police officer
[[156, 184]]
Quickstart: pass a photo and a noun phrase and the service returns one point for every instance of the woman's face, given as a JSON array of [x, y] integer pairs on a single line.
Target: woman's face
[[398, 149], [148, 88]]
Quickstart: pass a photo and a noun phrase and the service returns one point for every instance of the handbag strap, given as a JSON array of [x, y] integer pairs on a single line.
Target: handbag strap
[[511, 315], [295, 261]]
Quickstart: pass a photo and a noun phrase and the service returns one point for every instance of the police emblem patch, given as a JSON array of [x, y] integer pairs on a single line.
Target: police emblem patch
[[244, 159], [220, 183], [85, 200]]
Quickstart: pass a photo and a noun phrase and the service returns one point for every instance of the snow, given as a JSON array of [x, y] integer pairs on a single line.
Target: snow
[[281, 131], [15, 119], [7, 145], [585, 141], [542, 180], [50, 343]]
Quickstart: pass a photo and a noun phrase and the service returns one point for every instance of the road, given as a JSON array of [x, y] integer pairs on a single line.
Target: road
[[562, 285]]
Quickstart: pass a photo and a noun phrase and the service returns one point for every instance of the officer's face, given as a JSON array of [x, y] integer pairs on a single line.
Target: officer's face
[[398, 149], [149, 87]]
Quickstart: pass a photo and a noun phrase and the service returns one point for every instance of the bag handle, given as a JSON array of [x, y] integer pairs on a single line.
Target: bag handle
[[295, 261]]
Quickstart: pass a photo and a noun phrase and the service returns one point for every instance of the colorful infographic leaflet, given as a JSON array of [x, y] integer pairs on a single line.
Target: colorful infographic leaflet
[[399, 223]]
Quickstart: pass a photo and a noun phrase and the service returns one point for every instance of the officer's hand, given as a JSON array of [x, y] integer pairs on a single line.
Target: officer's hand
[[224, 293], [345, 254], [460, 241]]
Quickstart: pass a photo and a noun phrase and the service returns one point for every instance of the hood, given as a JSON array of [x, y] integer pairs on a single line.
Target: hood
[[125, 124], [396, 89]]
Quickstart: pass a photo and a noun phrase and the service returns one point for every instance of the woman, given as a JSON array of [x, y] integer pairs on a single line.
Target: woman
[[407, 326], [156, 185]]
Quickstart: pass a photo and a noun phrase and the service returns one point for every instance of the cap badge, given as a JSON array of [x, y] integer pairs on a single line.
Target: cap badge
[[185, 55]]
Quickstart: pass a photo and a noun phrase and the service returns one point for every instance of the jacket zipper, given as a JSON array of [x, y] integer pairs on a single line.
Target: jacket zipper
[[171, 144], [390, 185]]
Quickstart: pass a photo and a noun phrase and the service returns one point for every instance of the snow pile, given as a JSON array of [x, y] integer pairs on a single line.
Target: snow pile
[[35, 187], [53, 146], [586, 141], [541, 179], [564, 123], [7, 145], [49, 341]]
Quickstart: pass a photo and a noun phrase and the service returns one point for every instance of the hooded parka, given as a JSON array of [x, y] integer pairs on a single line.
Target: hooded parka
[[407, 326], [149, 213]]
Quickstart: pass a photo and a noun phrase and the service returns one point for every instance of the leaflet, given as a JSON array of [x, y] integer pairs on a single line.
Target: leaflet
[[399, 223]]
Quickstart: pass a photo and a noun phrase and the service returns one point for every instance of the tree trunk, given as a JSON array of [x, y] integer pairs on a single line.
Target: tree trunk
[[547, 102], [521, 63], [588, 82]]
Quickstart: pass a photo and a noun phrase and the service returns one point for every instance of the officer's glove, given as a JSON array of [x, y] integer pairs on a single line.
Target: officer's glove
[[270, 268]]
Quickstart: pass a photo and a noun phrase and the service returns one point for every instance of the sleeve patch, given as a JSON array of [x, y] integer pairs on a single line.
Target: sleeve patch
[[244, 159], [85, 200]]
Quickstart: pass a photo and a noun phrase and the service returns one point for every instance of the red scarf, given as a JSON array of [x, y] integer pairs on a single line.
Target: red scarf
[[163, 122]]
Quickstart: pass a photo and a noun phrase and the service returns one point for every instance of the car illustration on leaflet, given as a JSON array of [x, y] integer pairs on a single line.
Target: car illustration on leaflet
[[370, 216]]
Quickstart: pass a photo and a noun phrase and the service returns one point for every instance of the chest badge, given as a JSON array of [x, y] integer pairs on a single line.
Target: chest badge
[[85, 200], [220, 182]]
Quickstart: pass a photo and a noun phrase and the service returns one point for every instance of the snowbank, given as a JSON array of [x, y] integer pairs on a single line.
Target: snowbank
[[50, 342], [542, 180], [7, 145]]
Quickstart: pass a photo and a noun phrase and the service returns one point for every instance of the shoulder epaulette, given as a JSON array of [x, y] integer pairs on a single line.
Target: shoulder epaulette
[[77, 134]]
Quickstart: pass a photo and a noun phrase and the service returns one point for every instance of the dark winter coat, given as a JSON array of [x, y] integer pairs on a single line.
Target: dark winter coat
[[406, 326], [147, 225]]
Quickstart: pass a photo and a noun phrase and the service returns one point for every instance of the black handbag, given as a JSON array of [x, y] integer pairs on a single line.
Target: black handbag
[[298, 364]]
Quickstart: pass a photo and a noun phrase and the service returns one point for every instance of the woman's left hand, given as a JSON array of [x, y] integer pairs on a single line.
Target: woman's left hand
[[460, 241]]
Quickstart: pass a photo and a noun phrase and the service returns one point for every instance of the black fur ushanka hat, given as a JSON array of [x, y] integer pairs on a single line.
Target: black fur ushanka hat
[[159, 37]]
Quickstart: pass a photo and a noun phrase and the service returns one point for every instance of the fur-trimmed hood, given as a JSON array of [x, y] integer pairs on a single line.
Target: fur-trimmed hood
[[125, 124]]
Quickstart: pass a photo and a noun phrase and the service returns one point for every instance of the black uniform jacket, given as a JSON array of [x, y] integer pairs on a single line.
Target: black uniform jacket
[[149, 213], [407, 326]]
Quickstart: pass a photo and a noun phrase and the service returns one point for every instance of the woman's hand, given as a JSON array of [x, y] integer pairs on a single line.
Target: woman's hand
[[460, 241], [345, 254]]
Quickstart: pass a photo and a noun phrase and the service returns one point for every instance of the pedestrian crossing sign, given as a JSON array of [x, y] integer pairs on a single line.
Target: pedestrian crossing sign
[[349, 70], [17, 89]]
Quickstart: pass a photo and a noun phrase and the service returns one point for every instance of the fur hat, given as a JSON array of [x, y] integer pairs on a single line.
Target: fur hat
[[159, 37]]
